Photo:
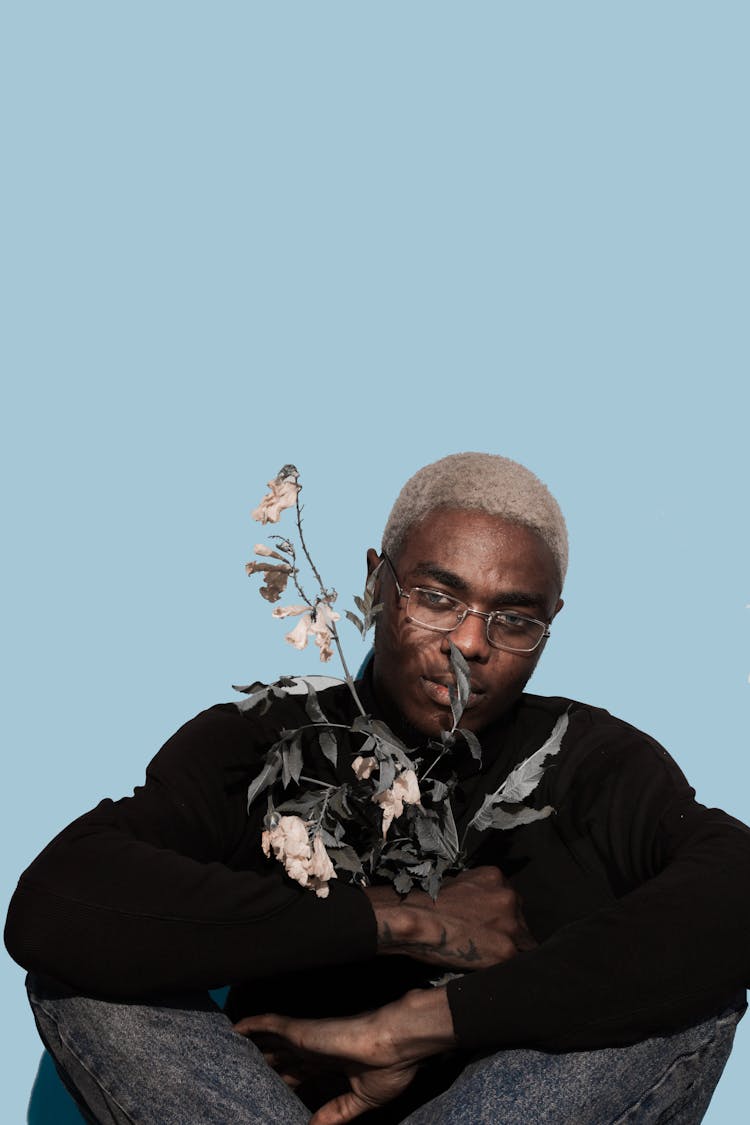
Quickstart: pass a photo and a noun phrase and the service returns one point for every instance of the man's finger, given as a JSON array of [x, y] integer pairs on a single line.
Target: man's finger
[[343, 1108], [269, 1022]]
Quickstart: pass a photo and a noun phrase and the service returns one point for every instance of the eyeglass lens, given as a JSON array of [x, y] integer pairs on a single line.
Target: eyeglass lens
[[440, 611]]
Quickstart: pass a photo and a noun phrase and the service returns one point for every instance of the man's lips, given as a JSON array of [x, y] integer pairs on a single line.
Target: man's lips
[[437, 689]]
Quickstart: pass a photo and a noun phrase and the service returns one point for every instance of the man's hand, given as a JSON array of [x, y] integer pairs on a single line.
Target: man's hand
[[378, 1051], [476, 921]]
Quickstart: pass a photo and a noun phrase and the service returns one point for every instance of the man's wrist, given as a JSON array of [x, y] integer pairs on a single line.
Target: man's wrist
[[420, 1024], [400, 927]]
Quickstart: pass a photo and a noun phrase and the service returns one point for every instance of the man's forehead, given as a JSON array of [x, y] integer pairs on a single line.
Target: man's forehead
[[462, 549], [455, 527]]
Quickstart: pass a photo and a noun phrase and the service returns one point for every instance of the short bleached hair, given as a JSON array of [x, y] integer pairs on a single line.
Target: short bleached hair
[[485, 482]]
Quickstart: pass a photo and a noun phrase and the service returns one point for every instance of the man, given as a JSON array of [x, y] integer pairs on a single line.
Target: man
[[598, 956]]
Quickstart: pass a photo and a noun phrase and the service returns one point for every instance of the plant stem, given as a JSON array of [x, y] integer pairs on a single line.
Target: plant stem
[[332, 628], [295, 578], [315, 781]]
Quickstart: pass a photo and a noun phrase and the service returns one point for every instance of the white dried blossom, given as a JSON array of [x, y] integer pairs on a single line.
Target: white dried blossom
[[319, 628], [301, 631], [404, 791], [282, 611], [308, 864], [268, 552], [363, 767], [283, 495]]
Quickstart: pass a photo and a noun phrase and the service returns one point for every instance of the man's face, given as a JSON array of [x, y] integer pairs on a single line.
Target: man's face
[[487, 563]]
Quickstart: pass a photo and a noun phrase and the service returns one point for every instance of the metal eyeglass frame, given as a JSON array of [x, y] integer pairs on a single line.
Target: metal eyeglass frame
[[466, 611]]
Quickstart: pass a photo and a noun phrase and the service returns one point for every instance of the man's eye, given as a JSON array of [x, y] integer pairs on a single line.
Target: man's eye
[[512, 621], [433, 599]]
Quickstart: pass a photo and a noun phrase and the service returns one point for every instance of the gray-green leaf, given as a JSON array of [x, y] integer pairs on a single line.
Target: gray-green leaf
[[291, 759], [472, 742], [345, 858], [312, 707], [524, 779], [266, 777], [521, 781], [499, 818], [356, 621], [328, 745]]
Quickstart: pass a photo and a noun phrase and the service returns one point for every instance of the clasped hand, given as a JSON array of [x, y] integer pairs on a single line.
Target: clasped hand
[[476, 921]]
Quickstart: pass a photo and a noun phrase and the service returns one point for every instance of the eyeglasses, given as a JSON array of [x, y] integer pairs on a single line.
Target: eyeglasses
[[432, 609]]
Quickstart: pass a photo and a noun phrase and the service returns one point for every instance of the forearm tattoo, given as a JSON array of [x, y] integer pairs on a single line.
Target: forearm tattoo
[[440, 949]]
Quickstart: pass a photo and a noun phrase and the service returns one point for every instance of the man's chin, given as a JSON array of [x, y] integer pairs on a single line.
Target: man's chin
[[433, 724]]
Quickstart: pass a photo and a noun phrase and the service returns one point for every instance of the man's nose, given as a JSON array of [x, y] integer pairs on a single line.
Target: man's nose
[[471, 637]]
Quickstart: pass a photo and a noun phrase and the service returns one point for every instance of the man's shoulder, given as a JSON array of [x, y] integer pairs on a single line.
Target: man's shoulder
[[597, 736], [582, 715]]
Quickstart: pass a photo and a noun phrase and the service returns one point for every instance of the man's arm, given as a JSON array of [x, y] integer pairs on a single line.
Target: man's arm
[[673, 949], [168, 889], [378, 1051], [476, 921]]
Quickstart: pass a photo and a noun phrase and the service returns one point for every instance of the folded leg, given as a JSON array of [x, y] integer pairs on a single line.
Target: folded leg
[[165, 1062]]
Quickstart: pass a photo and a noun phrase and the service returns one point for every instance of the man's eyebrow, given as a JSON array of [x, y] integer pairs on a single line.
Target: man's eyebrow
[[524, 598], [439, 574]]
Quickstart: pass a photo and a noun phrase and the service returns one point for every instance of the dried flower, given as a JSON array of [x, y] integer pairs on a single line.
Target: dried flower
[[404, 791], [267, 552], [319, 627], [309, 865], [275, 580], [282, 611], [363, 767], [283, 494], [301, 631]]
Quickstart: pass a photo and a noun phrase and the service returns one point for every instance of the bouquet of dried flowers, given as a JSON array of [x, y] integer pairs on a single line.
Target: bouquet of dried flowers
[[391, 821]]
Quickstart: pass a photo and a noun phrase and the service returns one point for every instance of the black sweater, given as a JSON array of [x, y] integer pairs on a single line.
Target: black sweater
[[637, 894]]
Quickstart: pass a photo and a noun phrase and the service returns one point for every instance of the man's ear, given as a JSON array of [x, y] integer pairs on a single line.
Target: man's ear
[[373, 560], [559, 606]]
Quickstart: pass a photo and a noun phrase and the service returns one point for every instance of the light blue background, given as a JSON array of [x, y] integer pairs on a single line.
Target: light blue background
[[358, 237]]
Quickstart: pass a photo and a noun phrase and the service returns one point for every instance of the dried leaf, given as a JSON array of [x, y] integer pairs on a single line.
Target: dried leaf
[[438, 792], [431, 839], [472, 742], [462, 672], [456, 708], [339, 804], [291, 761], [266, 777], [328, 839], [499, 818], [520, 782], [386, 774], [432, 885], [329, 746], [355, 621], [450, 832], [345, 858], [403, 883], [260, 699], [303, 806], [524, 779], [312, 706]]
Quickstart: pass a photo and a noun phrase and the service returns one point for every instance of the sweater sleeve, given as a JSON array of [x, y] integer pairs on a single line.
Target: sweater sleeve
[[673, 947], [168, 889]]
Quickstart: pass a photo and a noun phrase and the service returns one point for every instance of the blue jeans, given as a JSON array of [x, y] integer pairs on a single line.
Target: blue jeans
[[178, 1061]]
